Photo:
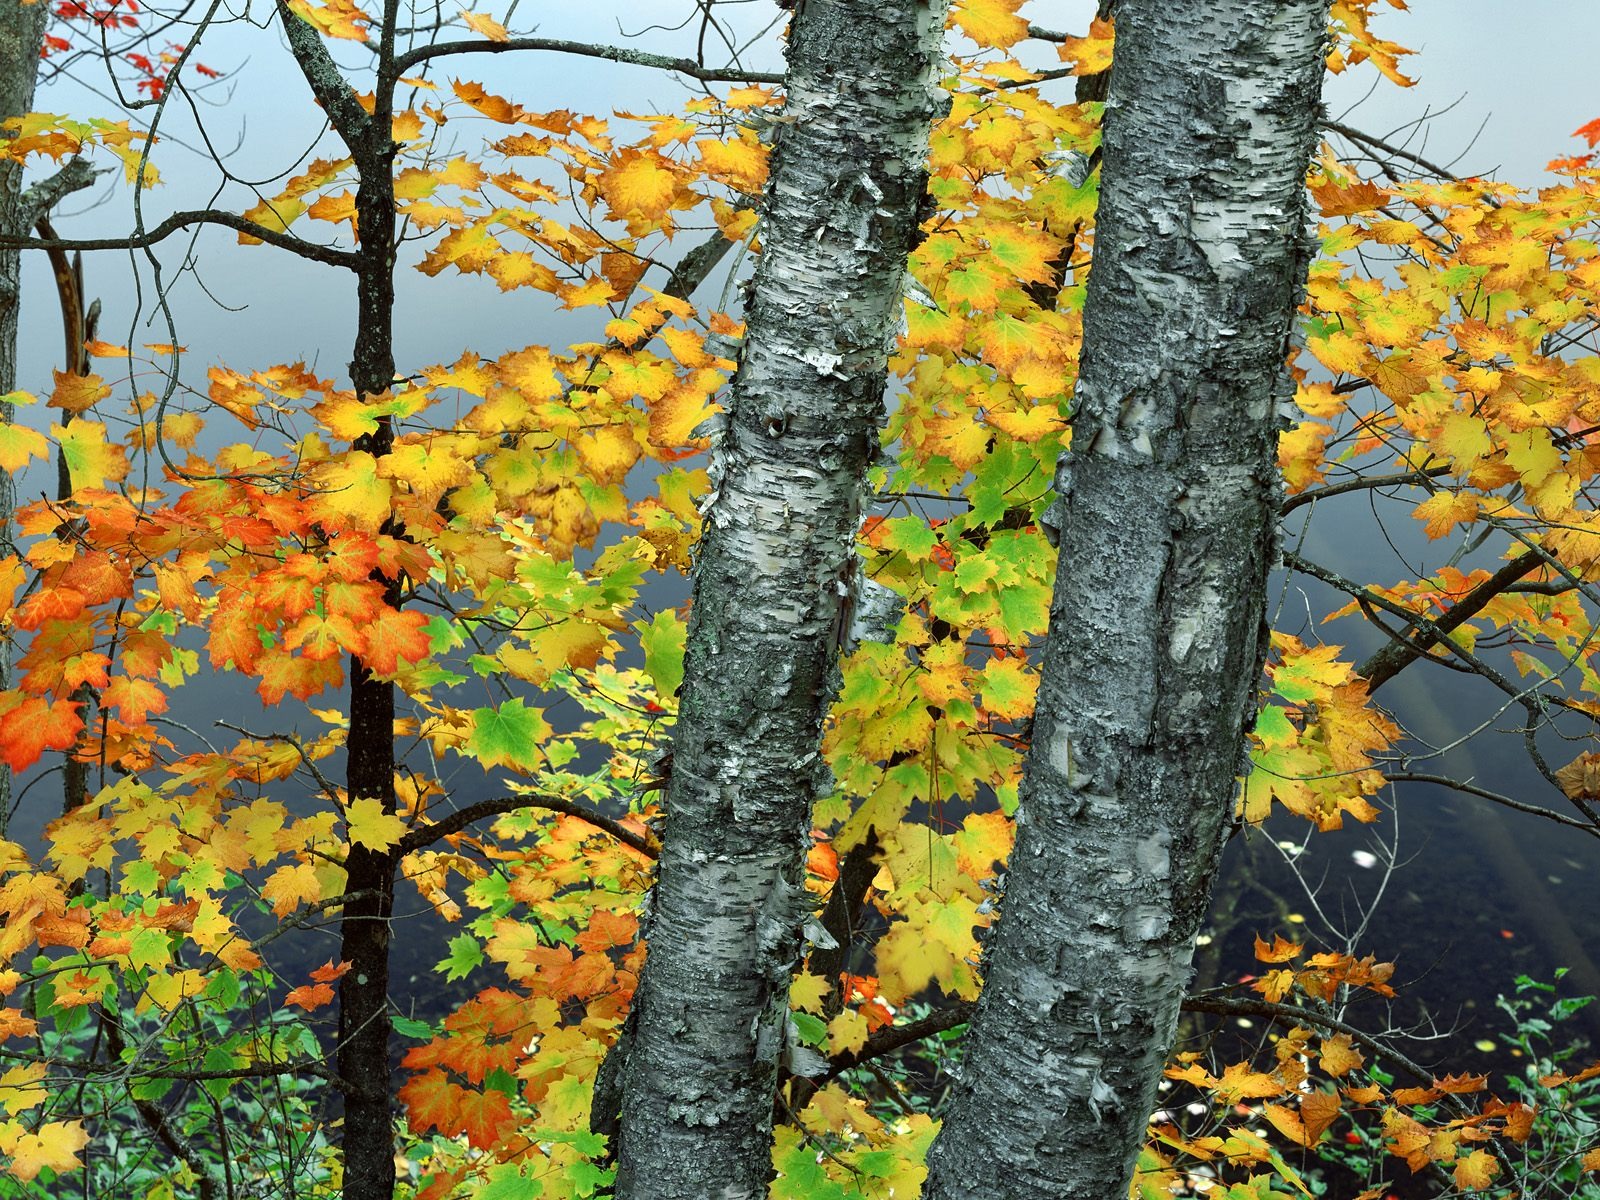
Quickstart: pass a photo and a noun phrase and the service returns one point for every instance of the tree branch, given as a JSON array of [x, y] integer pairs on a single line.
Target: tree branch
[[327, 82], [183, 220], [1365, 483], [426, 835], [893, 1037], [1472, 789], [1374, 143], [618, 54], [39, 199], [1292, 1013], [156, 1120], [1389, 660]]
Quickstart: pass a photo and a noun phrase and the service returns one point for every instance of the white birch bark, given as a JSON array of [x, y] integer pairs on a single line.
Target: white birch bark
[[1166, 521], [773, 566], [21, 37]]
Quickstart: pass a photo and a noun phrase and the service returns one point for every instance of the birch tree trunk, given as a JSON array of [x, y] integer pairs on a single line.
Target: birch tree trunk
[[1166, 518], [21, 37], [775, 563]]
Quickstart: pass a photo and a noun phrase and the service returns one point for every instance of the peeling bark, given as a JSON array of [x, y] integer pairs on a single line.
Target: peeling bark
[[1165, 518], [21, 37], [774, 564]]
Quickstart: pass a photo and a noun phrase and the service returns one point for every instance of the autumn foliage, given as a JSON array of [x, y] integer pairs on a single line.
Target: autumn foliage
[[237, 522]]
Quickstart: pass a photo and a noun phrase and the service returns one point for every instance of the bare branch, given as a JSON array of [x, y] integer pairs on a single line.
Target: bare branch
[[618, 54], [43, 196], [1294, 1014], [183, 220], [1363, 483], [1472, 789], [1400, 152], [893, 1037]]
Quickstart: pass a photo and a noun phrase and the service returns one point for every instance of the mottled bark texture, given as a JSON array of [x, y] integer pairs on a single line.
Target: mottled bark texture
[[774, 565], [21, 36], [1156, 637]]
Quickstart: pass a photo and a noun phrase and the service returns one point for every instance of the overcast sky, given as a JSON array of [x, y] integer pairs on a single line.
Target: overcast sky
[[1508, 69]]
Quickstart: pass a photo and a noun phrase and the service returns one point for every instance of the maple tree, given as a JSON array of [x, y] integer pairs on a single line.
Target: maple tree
[[436, 578]]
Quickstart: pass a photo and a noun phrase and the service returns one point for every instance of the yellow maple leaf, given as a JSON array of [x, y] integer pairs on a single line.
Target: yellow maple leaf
[[847, 1032], [21, 1087], [291, 886], [520, 269], [276, 215], [333, 18], [639, 183], [428, 464], [1476, 1170], [1339, 1055], [91, 460], [592, 292], [990, 22], [370, 826], [807, 992], [55, 1145], [75, 393], [335, 208], [1463, 438], [485, 26], [18, 444], [461, 172], [740, 161], [1091, 53], [350, 494], [1443, 511]]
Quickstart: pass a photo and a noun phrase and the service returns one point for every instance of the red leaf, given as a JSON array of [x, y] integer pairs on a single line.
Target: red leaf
[[30, 727], [433, 1102], [313, 995], [395, 635]]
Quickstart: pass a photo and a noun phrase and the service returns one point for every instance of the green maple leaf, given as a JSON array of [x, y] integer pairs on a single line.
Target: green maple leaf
[[508, 736], [464, 957], [506, 1182], [662, 640]]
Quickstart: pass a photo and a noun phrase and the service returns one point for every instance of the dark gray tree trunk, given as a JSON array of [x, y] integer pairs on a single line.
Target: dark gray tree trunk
[[1166, 521], [775, 563], [21, 36]]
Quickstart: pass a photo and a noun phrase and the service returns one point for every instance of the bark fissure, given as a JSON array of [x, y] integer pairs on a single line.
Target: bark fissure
[[772, 569], [1166, 505]]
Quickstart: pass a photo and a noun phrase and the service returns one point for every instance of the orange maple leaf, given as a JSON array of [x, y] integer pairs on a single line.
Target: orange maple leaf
[[310, 996], [433, 1101], [29, 727]]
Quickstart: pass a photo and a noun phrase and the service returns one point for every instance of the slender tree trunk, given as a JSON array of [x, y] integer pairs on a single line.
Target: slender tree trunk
[[1156, 633], [775, 562], [21, 37], [364, 1023], [364, 933]]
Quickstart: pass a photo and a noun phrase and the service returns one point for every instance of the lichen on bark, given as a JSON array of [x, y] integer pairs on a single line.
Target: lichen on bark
[[1165, 519]]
